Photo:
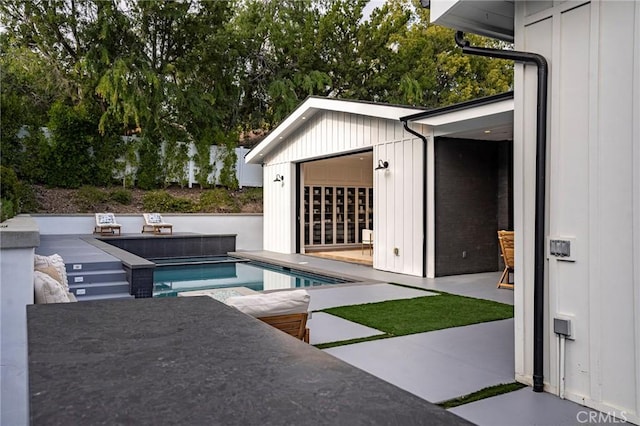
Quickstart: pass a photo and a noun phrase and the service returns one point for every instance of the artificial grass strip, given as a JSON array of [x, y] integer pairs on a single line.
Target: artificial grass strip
[[422, 314], [482, 394], [351, 341]]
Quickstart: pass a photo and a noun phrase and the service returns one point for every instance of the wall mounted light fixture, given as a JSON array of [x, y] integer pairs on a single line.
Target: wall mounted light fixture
[[279, 178], [382, 165]]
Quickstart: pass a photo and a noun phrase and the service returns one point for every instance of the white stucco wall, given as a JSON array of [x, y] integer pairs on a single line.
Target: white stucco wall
[[247, 227], [593, 197]]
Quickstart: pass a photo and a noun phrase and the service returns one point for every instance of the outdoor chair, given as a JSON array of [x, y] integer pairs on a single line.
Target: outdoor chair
[[285, 310], [505, 239], [153, 222], [367, 238], [106, 224]]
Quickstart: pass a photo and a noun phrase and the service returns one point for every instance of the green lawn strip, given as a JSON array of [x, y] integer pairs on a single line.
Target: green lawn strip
[[421, 314], [482, 394], [352, 341]]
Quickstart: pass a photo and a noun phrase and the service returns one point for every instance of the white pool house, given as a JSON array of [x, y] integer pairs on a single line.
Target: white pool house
[[432, 185]]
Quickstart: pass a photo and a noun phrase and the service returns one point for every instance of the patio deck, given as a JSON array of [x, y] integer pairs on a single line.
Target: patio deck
[[436, 365]]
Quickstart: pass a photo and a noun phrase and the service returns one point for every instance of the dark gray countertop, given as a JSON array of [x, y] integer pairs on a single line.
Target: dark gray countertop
[[196, 361]]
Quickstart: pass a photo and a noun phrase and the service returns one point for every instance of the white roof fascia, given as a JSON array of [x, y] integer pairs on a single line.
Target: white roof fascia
[[475, 112], [310, 106], [491, 18]]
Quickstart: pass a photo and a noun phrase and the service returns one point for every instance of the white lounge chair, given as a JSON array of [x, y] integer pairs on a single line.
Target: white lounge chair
[[153, 222], [285, 310], [106, 224]]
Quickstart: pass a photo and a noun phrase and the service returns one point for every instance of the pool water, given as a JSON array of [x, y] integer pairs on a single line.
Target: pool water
[[169, 280]]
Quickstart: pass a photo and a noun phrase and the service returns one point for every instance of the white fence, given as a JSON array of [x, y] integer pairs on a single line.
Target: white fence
[[247, 174]]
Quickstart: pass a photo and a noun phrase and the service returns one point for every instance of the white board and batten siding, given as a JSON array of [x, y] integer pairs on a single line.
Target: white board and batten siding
[[398, 191], [593, 195]]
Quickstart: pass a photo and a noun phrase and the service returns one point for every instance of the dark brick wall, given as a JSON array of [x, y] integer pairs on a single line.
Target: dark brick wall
[[473, 193]]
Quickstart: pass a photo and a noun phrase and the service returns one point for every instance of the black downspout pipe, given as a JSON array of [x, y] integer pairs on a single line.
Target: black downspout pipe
[[424, 195], [541, 154]]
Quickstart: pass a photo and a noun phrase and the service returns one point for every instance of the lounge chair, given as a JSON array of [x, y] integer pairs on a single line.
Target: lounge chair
[[106, 224], [285, 310], [505, 238], [153, 222]]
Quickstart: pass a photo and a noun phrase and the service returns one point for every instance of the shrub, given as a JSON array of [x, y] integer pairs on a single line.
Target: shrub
[[88, 198], [122, 196], [27, 201], [6, 209], [218, 200], [150, 169], [162, 201], [69, 162], [9, 187], [250, 195], [16, 197]]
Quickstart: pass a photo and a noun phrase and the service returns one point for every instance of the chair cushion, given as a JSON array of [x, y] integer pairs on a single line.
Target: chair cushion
[[43, 263], [154, 218], [105, 219], [269, 304], [48, 290]]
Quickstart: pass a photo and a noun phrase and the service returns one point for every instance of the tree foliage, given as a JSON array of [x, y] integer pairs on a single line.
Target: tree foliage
[[201, 72]]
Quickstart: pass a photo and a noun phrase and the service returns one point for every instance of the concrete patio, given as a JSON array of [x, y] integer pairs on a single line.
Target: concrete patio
[[438, 365], [434, 366]]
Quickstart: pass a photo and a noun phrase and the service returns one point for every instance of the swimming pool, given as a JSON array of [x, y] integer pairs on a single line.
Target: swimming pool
[[169, 280]]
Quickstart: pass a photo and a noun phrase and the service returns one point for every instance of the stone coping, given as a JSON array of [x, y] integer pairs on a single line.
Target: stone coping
[[19, 232], [127, 258]]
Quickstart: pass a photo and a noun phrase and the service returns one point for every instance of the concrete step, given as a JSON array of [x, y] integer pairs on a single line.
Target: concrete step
[[101, 276], [78, 267], [113, 296], [100, 288]]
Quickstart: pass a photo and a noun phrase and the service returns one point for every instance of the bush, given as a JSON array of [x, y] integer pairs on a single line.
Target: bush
[[8, 189], [88, 198], [122, 196], [27, 201], [6, 209], [250, 195], [162, 201], [218, 200], [16, 196]]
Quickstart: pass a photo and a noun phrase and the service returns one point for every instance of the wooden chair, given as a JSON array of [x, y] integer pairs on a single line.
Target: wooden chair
[[153, 222], [106, 224], [505, 239], [292, 324]]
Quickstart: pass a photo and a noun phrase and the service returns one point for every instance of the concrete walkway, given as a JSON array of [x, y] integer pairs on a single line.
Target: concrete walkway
[[438, 365]]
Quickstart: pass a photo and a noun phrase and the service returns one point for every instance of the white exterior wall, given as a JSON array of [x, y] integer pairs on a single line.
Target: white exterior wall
[[17, 248], [593, 194], [279, 207], [247, 227], [397, 192], [398, 204]]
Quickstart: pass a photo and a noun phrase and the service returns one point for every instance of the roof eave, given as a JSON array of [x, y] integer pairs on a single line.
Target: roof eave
[[490, 18], [314, 104]]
